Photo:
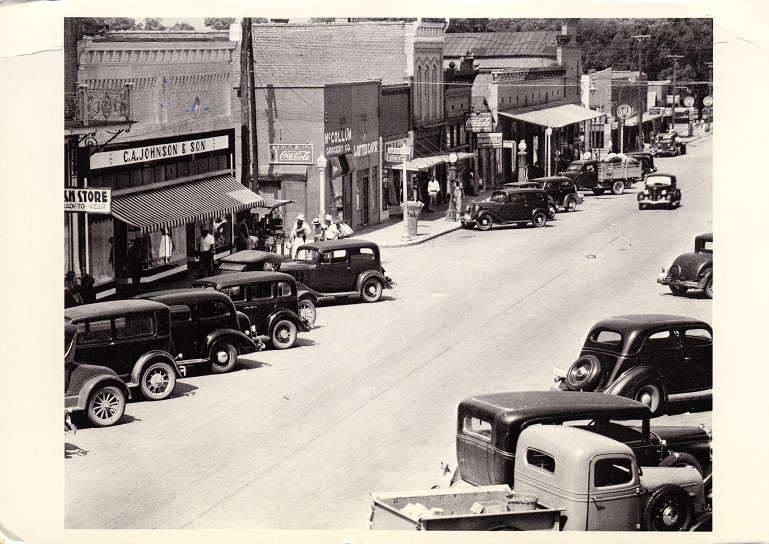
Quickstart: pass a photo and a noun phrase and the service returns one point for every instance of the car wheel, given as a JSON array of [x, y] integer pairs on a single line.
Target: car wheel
[[539, 219], [283, 334], [681, 460], [553, 209], [571, 204], [158, 380], [618, 187], [468, 224], [678, 290], [670, 508], [650, 393], [708, 290], [106, 406], [371, 290], [307, 312], [598, 192], [223, 357], [485, 222], [584, 374]]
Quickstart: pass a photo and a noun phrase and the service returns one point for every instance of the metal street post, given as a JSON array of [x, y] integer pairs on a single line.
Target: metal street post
[[404, 153], [709, 106], [673, 109], [640, 39], [321, 162]]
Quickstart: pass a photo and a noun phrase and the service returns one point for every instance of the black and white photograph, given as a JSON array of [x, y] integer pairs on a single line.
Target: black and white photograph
[[354, 278]]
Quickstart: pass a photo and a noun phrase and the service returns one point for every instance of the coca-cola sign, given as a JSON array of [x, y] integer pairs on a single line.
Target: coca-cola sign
[[290, 153], [478, 122]]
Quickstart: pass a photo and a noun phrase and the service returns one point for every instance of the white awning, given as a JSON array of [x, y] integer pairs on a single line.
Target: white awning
[[556, 117], [425, 163], [633, 121]]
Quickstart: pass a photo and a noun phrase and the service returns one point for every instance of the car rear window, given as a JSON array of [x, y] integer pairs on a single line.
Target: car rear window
[[697, 337], [540, 460], [362, 254], [283, 289], [477, 427], [236, 293]]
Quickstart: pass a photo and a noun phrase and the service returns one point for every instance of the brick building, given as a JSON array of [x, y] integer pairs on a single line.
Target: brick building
[[168, 164]]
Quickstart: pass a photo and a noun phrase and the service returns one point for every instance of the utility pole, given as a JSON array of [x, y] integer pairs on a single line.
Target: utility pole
[[243, 93], [252, 109], [710, 94], [640, 38], [675, 65]]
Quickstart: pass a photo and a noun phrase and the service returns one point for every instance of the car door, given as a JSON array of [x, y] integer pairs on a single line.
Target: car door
[[662, 351], [698, 357], [613, 490], [362, 259], [261, 304], [95, 346], [513, 209], [334, 273], [207, 316], [133, 336], [182, 331]]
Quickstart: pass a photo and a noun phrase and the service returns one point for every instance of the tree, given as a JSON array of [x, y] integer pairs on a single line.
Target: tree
[[151, 23], [182, 26], [218, 23], [92, 26]]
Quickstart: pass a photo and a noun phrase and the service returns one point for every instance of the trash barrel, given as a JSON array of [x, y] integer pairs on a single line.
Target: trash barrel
[[412, 212]]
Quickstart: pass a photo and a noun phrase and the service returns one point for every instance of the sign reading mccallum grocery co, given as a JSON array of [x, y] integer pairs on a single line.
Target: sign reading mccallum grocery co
[[290, 153], [337, 142], [478, 122], [149, 153]]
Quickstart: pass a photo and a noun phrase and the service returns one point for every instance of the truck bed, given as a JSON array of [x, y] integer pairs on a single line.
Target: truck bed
[[609, 171], [413, 510]]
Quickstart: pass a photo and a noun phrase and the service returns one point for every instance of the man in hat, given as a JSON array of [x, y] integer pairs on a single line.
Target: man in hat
[[330, 230], [299, 233], [317, 230], [206, 247]]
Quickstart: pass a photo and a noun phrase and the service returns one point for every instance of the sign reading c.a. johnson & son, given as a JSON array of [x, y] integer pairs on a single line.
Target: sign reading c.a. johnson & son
[[290, 153], [149, 153]]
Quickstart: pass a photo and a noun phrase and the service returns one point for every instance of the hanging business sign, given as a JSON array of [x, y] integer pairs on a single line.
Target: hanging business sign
[[290, 153], [96, 200], [478, 122], [337, 142], [149, 153], [489, 140], [361, 150]]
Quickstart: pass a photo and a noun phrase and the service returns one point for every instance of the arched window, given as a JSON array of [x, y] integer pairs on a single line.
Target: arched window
[[418, 93]]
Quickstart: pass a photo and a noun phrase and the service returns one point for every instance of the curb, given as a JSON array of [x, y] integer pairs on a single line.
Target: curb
[[422, 239]]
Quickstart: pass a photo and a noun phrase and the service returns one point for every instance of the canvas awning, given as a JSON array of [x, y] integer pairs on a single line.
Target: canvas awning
[[425, 163], [181, 203], [633, 121], [556, 117]]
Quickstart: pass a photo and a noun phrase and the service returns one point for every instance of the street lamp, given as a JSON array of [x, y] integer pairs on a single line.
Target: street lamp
[[548, 140], [522, 161], [321, 162], [404, 153]]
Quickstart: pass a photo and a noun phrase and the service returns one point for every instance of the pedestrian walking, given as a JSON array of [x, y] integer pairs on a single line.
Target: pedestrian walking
[[330, 230], [299, 233], [206, 248], [135, 263], [458, 194], [432, 190]]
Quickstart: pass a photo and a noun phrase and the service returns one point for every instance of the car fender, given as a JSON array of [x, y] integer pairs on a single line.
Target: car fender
[[368, 274], [156, 354], [706, 275], [242, 342], [302, 291], [547, 213], [626, 383], [285, 313], [243, 321], [93, 383]]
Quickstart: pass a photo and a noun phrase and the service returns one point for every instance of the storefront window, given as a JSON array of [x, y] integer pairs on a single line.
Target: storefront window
[[101, 244], [168, 246]]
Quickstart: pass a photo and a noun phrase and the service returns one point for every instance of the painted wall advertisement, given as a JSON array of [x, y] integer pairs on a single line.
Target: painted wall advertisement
[[338, 142], [290, 153]]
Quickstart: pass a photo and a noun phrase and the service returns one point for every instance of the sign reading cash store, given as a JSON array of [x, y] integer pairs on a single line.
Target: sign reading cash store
[[97, 200], [290, 153]]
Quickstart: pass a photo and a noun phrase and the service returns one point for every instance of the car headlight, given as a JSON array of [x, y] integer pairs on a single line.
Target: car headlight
[[664, 193], [646, 191]]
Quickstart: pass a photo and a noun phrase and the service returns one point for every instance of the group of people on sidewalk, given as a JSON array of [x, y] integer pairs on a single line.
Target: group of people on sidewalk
[[301, 231]]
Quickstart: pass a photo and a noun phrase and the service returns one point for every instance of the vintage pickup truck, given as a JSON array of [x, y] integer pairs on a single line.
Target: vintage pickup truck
[[566, 479], [616, 174]]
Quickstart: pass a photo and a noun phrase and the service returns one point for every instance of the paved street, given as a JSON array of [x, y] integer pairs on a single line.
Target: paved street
[[297, 439]]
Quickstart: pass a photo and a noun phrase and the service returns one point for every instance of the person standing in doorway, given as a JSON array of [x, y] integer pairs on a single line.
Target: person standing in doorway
[[432, 190], [458, 194], [206, 248]]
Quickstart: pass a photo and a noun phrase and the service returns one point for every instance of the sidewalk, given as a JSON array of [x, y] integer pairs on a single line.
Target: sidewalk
[[390, 232]]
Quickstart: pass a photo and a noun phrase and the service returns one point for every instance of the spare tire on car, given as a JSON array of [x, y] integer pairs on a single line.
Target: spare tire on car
[[584, 374]]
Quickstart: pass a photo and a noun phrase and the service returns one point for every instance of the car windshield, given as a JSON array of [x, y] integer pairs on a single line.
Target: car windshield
[[658, 181]]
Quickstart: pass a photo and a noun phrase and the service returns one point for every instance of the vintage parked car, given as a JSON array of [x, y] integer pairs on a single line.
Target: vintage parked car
[[646, 159], [488, 427], [95, 390], [269, 301], [509, 206], [653, 358], [692, 270], [562, 190], [667, 143], [133, 338], [660, 191], [335, 269], [251, 260], [205, 328]]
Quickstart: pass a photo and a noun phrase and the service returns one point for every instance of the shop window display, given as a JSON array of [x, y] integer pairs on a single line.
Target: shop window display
[[168, 246], [101, 245]]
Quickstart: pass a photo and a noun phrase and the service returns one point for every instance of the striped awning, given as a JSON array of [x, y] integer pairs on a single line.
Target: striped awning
[[176, 205]]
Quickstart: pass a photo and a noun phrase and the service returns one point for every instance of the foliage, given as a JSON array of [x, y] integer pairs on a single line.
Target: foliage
[[218, 23], [91, 26], [182, 26], [151, 23]]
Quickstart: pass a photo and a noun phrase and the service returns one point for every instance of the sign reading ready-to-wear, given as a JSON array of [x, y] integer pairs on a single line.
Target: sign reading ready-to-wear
[[478, 122], [290, 153], [490, 140], [149, 153], [96, 200]]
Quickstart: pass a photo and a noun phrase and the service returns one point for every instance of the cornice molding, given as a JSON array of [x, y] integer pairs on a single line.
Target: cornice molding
[[155, 52]]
